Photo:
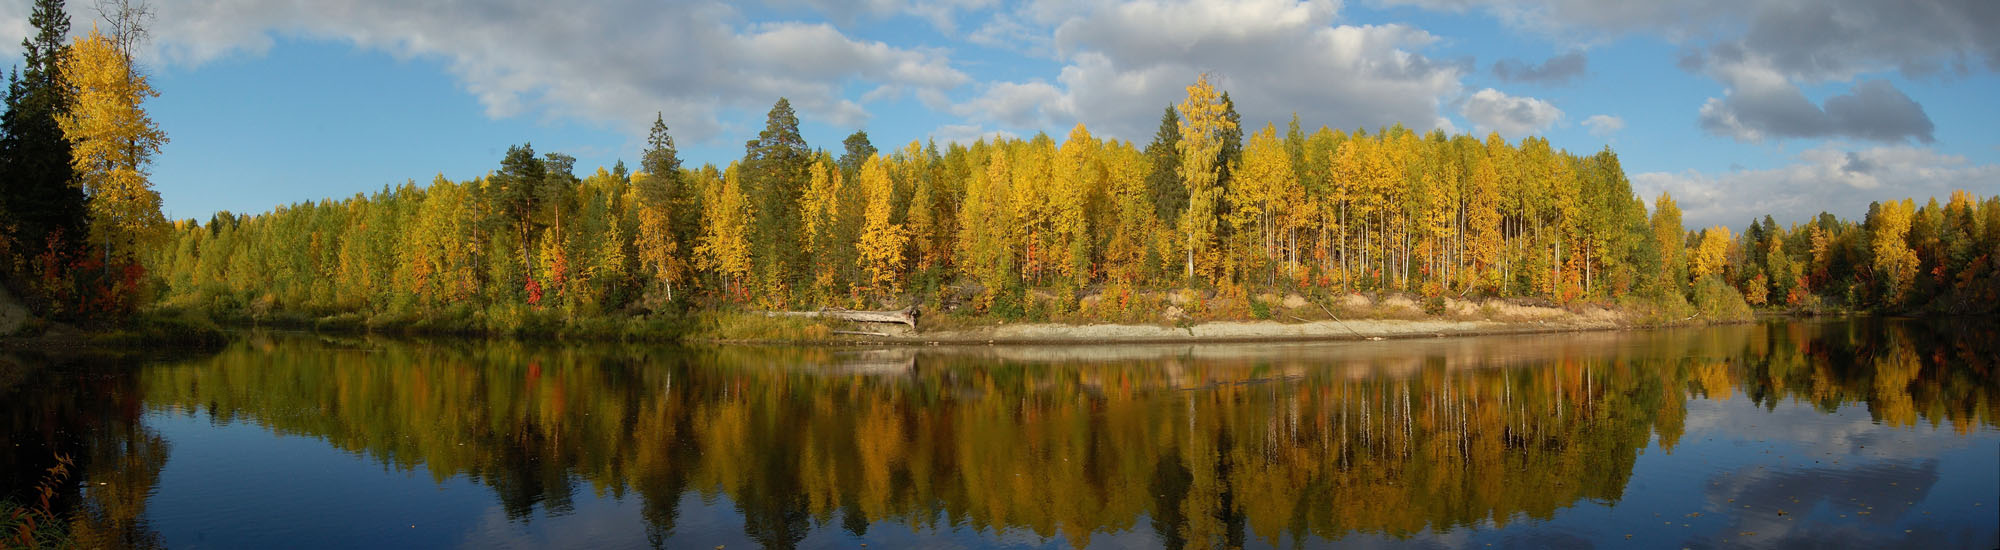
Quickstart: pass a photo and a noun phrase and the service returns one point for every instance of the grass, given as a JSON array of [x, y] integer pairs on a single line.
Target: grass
[[742, 326], [36, 525]]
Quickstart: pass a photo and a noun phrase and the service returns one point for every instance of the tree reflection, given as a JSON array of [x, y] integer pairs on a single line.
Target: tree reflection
[[1201, 446]]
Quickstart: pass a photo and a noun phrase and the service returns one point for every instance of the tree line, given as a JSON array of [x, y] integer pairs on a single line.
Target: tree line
[[78, 215], [997, 225]]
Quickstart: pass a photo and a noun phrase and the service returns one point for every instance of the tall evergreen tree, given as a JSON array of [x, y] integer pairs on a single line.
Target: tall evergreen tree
[[40, 192], [1232, 142], [668, 188], [513, 193], [775, 167], [1164, 182]]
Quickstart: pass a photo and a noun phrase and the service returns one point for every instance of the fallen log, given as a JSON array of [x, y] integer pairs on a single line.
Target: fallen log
[[905, 316], [862, 333]]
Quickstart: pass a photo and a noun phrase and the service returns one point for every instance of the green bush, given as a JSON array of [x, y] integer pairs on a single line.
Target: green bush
[[1260, 309], [1717, 301]]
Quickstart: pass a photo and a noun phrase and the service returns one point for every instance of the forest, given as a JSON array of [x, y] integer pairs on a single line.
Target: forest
[[1082, 229], [1018, 228]]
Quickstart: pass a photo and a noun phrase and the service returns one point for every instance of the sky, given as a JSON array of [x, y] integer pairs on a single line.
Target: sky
[[1739, 108]]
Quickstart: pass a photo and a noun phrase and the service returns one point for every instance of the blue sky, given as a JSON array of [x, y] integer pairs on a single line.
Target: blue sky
[[1737, 107]]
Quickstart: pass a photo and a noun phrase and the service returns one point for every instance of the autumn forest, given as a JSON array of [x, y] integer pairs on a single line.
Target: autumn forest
[[1009, 229]]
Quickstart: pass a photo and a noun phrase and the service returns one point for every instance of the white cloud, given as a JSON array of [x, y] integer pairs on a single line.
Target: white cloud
[[1825, 179], [1604, 125], [1491, 110], [1125, 61], [1033, 104], [613, 62], [966, 134]]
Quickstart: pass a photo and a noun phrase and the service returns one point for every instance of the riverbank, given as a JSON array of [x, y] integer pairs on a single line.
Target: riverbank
[[1140, 317], [148, 332], [1237, 332], [1286, 318]]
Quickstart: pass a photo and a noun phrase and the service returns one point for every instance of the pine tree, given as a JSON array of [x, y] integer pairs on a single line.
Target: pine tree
[[856, 150], [774, 173]]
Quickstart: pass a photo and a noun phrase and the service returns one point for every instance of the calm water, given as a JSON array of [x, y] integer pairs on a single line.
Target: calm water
[[1788, 434]]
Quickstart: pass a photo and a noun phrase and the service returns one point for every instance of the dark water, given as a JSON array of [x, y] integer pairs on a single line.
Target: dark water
[[1788, 434]]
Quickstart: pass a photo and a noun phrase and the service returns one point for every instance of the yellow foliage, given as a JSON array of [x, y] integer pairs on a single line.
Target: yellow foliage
[[658, 252], [1895, 263], [1203, 122], [725, 245], [881, 243], [820, 210], [1077, 176], [1711, 252], [113, 141]]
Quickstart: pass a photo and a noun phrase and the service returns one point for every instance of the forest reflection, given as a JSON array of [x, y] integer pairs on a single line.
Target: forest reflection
[[1201, 446]]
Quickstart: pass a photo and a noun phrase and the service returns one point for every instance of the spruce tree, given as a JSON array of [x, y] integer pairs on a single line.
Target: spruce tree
[[40, 190], [1164, 182]]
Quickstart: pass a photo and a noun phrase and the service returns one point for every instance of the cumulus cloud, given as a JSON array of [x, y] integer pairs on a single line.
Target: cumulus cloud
[[1761, 103], [1556, 70], [1124, 61], [1603, 125], [613, 62], [1491, 110], [1792, 44], [1825, 179]]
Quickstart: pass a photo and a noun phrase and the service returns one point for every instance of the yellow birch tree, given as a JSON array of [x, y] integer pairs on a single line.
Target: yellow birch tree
[[658, 252], [820, 210], [725, 244], [881, 243], [1203, 123]]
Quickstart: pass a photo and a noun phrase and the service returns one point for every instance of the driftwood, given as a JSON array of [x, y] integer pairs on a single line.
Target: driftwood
[[861, 333], [905, 316], [1343, 324]]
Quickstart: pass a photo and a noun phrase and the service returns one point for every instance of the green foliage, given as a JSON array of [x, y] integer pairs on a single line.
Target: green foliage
[[1718, 301]]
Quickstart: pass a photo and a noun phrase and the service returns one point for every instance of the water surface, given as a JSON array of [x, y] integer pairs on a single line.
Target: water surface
[[1864, 433]]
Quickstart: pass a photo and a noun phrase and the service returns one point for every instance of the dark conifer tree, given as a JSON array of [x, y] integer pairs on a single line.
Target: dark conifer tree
[[39, 191], [857, 150], [775, 175], [1169, 196]]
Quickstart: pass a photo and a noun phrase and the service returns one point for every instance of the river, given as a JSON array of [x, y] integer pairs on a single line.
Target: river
[[1786, 433]]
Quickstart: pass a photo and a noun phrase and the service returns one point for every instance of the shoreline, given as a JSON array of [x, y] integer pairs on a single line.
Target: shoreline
[[1214, 332], [1232, 332], [1373, 324]]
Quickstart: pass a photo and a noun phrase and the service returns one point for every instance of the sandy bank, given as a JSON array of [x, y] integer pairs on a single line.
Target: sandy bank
[[1234, 331]]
